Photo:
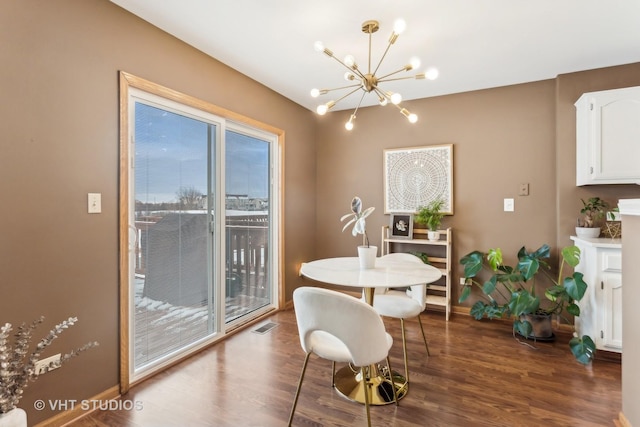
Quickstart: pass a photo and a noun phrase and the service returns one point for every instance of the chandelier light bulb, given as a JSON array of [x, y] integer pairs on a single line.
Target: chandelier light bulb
[[414, 62], [349, 76], [349, 124], [349, 60], [315, 93], [432, 73], [382, 101], [399, 26], [318, 46], [322, 109], [410, 116], [396, 98]]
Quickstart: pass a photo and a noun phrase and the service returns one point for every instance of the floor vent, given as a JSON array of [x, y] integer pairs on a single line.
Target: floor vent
[[265, 328]]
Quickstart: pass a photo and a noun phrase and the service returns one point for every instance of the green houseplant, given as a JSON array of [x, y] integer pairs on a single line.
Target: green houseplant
[[511, 291], [593, 210], [431, 216]]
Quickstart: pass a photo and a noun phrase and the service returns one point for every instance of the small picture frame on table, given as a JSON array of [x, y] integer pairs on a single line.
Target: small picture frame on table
[[401, 226]]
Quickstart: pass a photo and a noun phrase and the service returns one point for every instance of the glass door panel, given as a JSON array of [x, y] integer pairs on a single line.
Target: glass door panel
[[247, 225], [173, 296]]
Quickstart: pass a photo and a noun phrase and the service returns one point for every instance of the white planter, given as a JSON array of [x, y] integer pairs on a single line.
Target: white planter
[[367, 256], [14, 418], [588, 233], [433, 236]]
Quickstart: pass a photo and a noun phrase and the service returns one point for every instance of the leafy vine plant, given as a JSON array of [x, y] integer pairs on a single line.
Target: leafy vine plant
[[358, 219], [18, 364]]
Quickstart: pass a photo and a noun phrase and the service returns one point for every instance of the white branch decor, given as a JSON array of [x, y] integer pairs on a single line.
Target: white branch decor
[[18, 365]]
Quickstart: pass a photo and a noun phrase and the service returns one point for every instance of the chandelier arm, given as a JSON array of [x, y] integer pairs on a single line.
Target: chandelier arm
[[381, 78], [359, 85], [399, 78], [344, 96], [383, 56], [352, 69], [361, 98]]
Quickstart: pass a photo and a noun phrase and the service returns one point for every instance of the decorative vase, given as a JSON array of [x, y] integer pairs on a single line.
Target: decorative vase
[[16, 417], [367, 256], [588, 232], [433, 236]]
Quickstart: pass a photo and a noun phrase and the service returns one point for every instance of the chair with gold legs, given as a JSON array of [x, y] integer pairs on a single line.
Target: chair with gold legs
[[403, 305], [338, 327]]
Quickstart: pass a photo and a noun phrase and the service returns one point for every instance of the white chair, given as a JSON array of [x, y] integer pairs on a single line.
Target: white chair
[[403, 304], [343, 329]]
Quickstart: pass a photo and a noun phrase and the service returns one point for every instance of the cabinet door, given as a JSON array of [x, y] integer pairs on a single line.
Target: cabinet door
[[616, 136], [612, 310]]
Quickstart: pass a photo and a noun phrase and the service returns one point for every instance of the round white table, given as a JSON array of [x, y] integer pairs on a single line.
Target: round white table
[[386, 274]]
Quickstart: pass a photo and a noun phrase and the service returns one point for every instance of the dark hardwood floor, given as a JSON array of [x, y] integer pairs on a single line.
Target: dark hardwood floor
[[477, 375]]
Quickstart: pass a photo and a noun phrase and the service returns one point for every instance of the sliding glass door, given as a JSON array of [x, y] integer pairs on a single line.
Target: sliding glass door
[[201, 208]]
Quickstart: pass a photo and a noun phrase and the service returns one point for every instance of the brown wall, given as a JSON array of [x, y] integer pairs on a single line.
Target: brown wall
[[59, 85]]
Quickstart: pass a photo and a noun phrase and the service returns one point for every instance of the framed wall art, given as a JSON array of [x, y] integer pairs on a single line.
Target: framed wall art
[[401, 226], [413, 177]]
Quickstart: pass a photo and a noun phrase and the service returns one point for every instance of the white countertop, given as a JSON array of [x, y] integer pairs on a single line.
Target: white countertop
[[600, 242]]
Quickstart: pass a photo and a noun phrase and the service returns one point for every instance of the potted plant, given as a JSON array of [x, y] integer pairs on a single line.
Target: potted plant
[[592, 210], [431, 216], [366, 252], [18, 366], [511, 292]]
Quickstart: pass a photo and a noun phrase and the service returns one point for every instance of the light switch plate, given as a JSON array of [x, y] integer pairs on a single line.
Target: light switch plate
[[94, 201]]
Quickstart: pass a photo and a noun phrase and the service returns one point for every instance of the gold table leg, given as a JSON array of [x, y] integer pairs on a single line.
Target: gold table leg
[[351, 385]]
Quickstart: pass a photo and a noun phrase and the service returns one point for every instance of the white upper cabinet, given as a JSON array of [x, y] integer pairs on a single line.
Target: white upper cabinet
[[608, 137]]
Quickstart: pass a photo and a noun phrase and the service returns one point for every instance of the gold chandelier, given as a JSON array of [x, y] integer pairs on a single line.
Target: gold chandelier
[[368, 82]]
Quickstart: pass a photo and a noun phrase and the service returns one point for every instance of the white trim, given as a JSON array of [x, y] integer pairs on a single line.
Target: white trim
[[629, 206]]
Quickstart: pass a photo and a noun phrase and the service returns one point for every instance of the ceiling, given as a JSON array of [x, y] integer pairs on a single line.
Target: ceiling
[[475, 44]]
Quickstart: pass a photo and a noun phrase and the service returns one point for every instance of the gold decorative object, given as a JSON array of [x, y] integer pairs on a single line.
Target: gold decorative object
[[613, 229], [369, 81]]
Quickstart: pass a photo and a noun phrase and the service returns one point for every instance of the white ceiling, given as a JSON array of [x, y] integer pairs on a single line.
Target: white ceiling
[[475, 44]]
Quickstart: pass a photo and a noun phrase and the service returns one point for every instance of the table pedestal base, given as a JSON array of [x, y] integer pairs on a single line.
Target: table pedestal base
[[351, 385]]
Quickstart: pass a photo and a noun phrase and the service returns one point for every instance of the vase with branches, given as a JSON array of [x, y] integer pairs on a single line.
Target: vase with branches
[[18, 362]]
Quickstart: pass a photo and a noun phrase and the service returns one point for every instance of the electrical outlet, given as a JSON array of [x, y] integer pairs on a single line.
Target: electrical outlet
[[523, 190], [508, 205], [49, 364]]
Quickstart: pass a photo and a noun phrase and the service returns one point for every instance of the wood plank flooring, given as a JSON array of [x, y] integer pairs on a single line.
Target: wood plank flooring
[[477, 375]]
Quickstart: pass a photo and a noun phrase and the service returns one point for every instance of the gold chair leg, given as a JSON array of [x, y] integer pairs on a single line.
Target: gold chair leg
[[367, 391], [333, 374], [424, 337], [295, 400], [404, 350], [393, 385]]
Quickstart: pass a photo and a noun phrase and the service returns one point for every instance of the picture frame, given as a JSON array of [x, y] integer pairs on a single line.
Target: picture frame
[[415, 176], [401, 226]]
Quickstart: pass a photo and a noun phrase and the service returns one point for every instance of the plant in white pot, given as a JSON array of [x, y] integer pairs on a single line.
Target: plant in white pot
[[431, 216], [593, 210], [366, 252], [18, 365]]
